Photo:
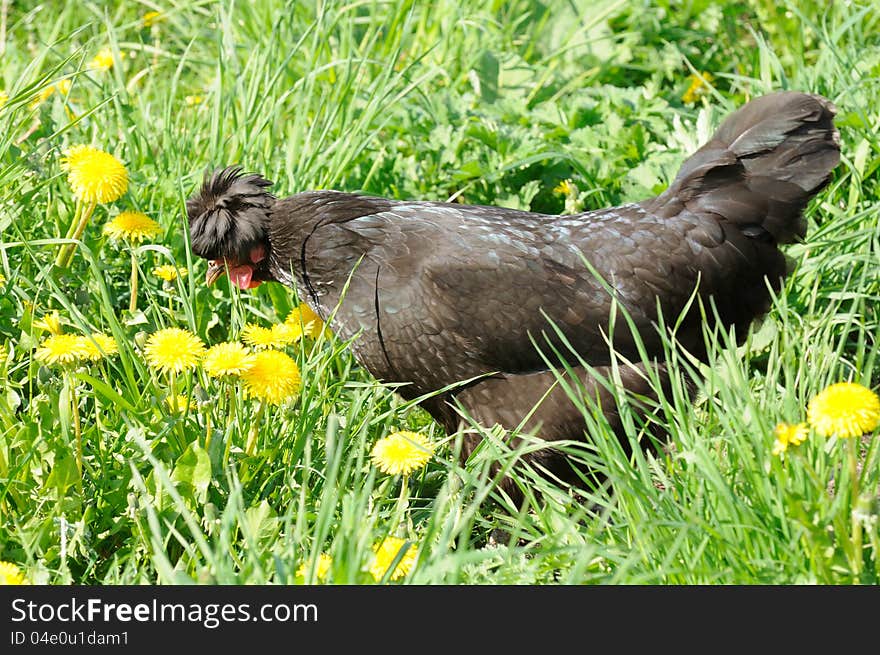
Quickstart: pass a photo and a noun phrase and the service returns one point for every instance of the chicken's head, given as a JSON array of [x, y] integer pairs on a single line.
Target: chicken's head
[[229, 226]]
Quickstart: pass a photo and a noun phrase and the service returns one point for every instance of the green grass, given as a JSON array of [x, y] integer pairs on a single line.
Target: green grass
[[485, 102]]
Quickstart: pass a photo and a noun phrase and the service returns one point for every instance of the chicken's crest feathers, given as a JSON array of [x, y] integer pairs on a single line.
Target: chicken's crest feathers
[[229, 214]]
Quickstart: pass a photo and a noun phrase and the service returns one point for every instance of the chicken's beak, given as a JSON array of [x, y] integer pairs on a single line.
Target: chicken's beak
[[215, 270]]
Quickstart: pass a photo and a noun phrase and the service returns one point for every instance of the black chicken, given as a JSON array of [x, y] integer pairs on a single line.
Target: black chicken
[[440, 293]]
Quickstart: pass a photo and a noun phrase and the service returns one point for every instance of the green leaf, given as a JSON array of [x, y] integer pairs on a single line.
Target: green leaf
[[135, 318], [105, 390], [261, 521], [487, 71], [192, 473], [64, 474]]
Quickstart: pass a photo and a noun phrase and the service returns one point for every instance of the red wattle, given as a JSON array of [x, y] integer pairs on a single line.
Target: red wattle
[[241, 276]]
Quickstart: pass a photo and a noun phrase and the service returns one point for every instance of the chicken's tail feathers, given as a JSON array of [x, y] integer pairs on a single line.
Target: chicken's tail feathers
[[762, 166]]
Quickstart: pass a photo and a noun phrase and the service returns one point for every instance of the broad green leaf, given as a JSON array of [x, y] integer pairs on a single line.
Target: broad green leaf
[[192, 472]]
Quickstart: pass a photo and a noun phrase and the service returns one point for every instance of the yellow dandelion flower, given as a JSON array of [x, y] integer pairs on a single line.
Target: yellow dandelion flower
[[2, 280], [272, 376], [169, 273], [699, 86], [4, 98], [844, 410], [303, 318], [44, 94], [322, 567], [182, 403], [285, 333], [99, 345], [402, 452], [61, 349], [94, 175], [151, 18], [61, 86], [565, 188], [386, 553], [103, 60], [132, 226], [788, 434], [192, 101], [227, 358], [263, 337], [50, 323], [173, 350], [76, 154], [10, 574]]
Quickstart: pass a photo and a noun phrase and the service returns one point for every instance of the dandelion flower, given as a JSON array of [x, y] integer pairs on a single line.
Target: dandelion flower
[[303, 318], [151, 18], [169, 273], [103, 60], [132, 226], [402, 452], [44, 94], [698, 87], [257, 336], [788, 434], [263, 337], [2, 280], [192, 101], [182, 403], [61, 349], [62, 87], [173, 350], [844, 410], [99, 345], [565, 188], [227, 358], [386, 552], [4, 98], [322, 567], [10, 574], [272, 376], [50, 323], [285, 333], [94, 175]]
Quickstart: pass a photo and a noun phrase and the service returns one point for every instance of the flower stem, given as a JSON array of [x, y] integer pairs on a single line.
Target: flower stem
[[132, 304], [77, 213], [208, 431], [228, 432], [402, 505], [175, 409], [77, 430], [852, 457], [62, 251], [172, 386], [252, 435], [66, 254]]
